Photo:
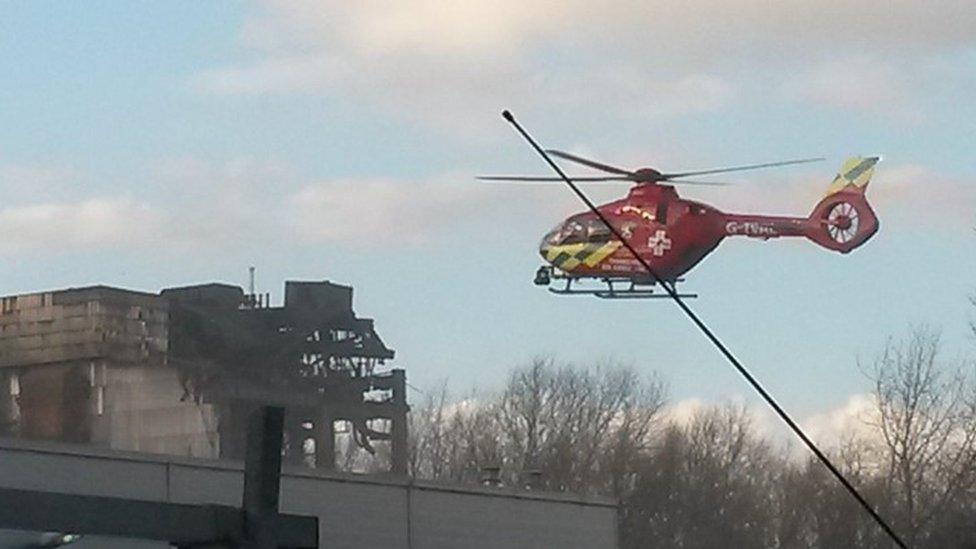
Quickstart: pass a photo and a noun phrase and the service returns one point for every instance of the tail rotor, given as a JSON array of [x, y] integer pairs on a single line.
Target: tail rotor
[[844, 220]]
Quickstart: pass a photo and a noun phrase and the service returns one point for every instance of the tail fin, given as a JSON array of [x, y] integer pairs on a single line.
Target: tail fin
[[855, 172], [843, 220]]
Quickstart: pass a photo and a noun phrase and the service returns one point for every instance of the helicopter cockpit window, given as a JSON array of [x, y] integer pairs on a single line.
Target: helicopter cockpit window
[[554, 236], [573, 233], [597, 231]]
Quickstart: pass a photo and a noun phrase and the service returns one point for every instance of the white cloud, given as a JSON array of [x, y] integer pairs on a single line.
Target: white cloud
[[853, 419], [683, 411], [389, 211], [628, 90], [299, 73], [830, 429], [44, 209], [460, 96], [203, 206], [379, 211], [693, 93], [453, 64], [19, 182], [475, 27], [431, 91], [914, 193], [93, 223], [763, 420], [482, 28], [498, 28], [860, 84], [229, 205]]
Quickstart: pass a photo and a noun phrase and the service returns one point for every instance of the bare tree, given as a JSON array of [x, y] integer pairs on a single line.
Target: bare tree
[[426, 449], [709, 484], [814, 510], [927, 421], [454, 439], [578, 429], [632, 437], [578, 426], [526, 412], [713, 481]]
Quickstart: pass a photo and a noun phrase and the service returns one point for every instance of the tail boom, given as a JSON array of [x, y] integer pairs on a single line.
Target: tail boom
[[841, 221]]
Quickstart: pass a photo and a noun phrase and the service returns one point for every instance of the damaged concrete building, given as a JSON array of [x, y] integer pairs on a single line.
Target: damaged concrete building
[[178, 372]]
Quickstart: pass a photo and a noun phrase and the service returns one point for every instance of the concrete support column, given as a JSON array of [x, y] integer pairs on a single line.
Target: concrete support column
[[398, 423], [232, 425]]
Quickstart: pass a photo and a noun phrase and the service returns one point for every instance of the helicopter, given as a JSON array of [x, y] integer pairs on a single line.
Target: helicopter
[[673, 234]]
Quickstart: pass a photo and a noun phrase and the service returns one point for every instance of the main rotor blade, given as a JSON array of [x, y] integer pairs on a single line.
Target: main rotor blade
[[517, 178], [694, 182], [667, 176], [587, 162], [590, 179]]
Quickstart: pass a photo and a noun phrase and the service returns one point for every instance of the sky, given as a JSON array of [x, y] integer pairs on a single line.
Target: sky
[[150, 145]]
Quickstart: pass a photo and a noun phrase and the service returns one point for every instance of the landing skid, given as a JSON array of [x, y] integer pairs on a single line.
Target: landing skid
[[614, 287]]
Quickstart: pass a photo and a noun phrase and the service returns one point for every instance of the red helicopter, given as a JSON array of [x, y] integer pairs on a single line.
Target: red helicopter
[[673, 234]]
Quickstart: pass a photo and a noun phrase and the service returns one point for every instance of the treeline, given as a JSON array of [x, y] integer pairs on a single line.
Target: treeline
[[712, 480]]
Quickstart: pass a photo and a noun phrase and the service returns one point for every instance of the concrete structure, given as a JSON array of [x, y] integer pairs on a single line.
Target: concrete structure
[[89, 365], [178, 372], [353, 511]]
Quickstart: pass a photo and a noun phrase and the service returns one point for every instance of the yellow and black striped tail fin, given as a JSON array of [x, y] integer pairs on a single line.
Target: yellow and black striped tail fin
[[854, 172]]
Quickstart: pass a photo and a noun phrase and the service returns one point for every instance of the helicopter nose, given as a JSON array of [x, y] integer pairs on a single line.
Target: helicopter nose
[[544, 248]]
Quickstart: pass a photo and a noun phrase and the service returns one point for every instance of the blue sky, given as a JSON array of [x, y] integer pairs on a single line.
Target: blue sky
[[151, 145]]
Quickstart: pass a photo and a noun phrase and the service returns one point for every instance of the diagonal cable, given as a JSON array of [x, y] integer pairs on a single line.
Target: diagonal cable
[[669, 288]]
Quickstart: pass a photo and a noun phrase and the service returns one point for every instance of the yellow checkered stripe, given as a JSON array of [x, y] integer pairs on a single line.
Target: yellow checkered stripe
[[570, 256], [855, 171]]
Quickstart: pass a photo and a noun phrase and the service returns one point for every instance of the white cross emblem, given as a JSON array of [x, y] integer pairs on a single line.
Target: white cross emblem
[[659, 243]]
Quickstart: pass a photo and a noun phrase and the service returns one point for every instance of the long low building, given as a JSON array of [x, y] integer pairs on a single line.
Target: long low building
[[353, 510]]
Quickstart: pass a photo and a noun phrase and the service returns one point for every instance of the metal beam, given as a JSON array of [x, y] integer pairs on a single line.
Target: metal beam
[[184, 525]]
